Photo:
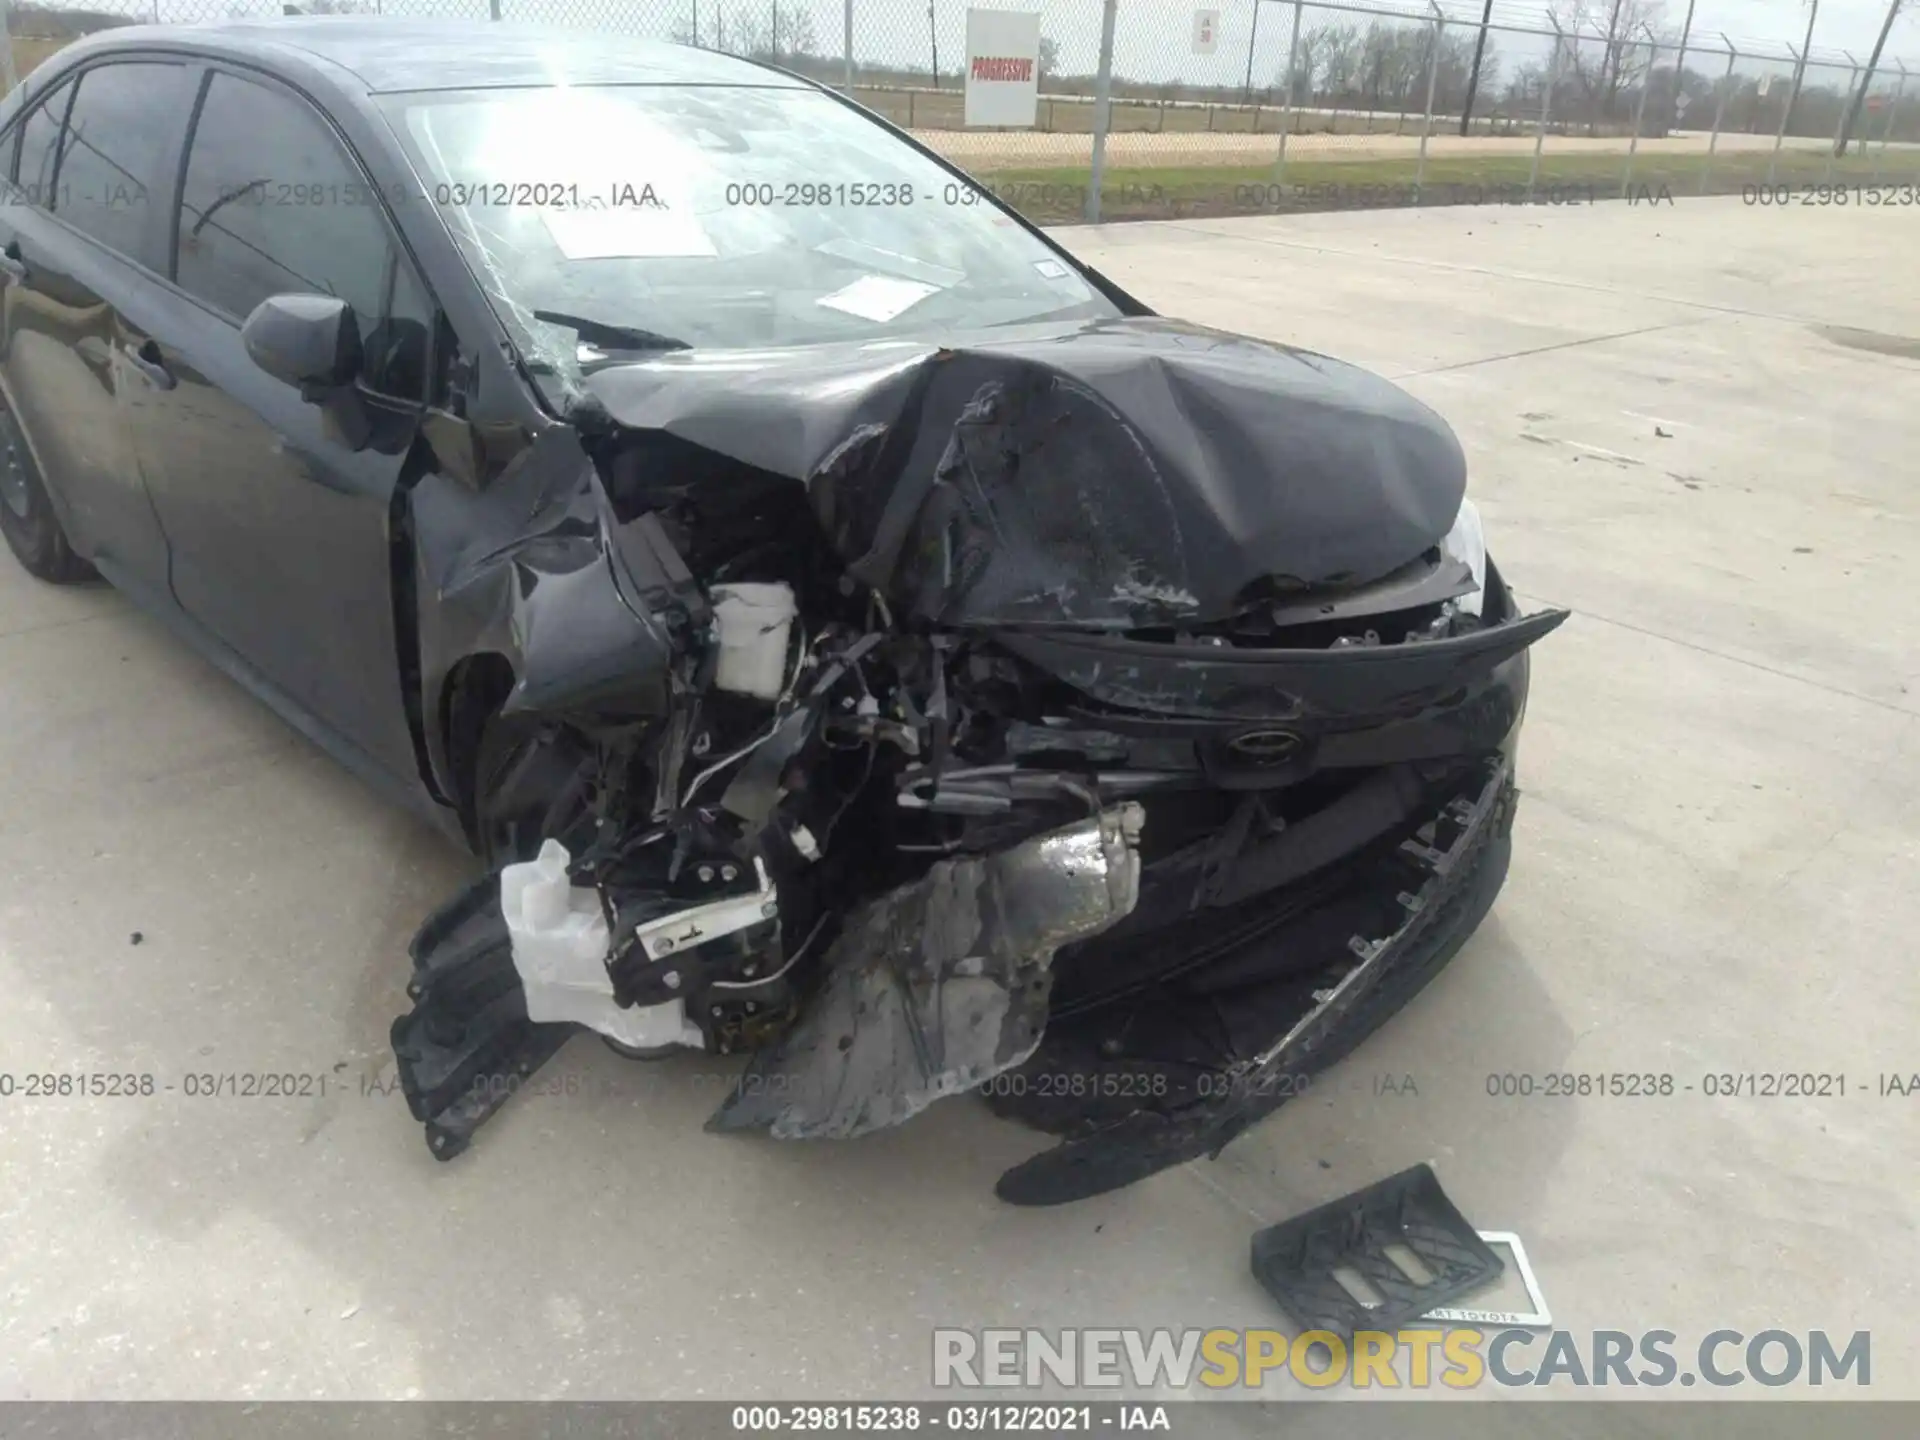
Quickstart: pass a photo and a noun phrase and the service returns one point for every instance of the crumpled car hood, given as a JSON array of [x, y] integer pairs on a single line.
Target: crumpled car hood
[[1113, 473]]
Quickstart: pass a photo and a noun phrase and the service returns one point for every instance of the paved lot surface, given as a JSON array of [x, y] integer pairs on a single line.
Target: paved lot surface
[[1715, 873]]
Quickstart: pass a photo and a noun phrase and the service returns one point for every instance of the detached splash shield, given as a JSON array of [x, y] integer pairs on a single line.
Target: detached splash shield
[[940, 985], [930, 990]]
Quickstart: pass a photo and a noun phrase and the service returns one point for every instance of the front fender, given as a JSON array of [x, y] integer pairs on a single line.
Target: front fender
[[587, 613]]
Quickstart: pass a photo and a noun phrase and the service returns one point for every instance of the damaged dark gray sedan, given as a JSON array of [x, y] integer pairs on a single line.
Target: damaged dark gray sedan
[[854, 633]]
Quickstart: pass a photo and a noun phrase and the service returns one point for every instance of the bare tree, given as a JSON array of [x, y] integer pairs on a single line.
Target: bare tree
[[1456, 63], [780, 33], [1049, 56], [1525, 89], [1393, 64], [1606, 51], [800, 38], [1340, 61], [1306, 59]]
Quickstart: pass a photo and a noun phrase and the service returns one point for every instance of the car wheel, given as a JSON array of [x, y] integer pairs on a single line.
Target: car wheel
[[532, 780], [26, 515]]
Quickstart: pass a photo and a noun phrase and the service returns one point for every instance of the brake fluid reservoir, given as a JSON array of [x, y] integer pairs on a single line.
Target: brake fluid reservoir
[[753, 621]]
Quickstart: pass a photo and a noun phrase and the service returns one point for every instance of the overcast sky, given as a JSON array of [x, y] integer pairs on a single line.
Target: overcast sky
[[1153, 38], [1840, 25]]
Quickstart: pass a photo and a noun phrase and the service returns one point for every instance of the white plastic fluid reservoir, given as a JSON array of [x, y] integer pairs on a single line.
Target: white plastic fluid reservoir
[[559, 936], [753, 622]]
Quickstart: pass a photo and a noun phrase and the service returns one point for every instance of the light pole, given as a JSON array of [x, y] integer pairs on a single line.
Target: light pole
[[1800, 69], [1473, 75], [1253, 34], [1860, 96], [1612, 59], [1680, 69]]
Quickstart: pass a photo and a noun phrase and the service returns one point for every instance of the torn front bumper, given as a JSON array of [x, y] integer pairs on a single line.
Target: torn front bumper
[[1174, 1075]]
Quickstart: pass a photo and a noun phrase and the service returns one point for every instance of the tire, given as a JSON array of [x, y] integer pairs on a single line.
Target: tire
[[26, 515], [532, 780]]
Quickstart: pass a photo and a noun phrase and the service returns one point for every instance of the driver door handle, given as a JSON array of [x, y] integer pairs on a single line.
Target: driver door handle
[[146, 358]]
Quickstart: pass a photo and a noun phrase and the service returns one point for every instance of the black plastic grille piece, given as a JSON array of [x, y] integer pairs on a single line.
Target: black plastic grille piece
[[1295, 1260]]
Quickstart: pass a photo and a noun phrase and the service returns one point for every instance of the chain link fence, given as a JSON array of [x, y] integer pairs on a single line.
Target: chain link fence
[[1271, 105]]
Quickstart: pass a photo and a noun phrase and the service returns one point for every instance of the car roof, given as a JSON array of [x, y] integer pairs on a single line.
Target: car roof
[[410, 54]]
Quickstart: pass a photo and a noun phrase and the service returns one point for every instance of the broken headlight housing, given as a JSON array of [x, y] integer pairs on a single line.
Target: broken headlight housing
[[1467, 543]]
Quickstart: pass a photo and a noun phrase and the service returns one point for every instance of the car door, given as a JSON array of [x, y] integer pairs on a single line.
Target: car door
[[79, 244], [277, 525]]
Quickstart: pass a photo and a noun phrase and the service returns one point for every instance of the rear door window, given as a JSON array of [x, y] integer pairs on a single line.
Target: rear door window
[[114, 155], [39, 137]]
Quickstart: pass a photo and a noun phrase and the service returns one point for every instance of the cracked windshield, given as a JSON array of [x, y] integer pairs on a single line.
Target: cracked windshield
[[610, 220]]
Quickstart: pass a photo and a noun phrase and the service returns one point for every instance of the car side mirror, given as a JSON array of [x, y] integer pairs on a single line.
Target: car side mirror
[[309, 341]]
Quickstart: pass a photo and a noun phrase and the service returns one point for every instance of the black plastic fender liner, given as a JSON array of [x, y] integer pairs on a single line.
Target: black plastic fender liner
[[467, 1044], [1296, 1261]]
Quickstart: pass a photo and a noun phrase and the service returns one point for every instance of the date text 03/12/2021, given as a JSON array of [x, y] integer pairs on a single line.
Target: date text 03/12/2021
[[1010, 1417], [1716, 1084]]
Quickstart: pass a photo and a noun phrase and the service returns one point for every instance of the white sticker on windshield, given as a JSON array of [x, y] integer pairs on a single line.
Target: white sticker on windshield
[[1061, 279], [641, 232], [878, 298]]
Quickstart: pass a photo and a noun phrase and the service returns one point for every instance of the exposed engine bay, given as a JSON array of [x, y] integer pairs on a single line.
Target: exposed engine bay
[[1115, 724]]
